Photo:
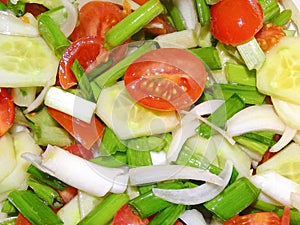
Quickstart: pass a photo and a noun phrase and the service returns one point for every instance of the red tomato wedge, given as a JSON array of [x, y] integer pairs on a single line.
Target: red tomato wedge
[[285, 217], [87, 50], [21, 220], [125, 216], [166, 79], [7, 111], [67, 194], [35, 9], [236, 21], [79, 150], [96, 18], [265, 218], [85, 133]]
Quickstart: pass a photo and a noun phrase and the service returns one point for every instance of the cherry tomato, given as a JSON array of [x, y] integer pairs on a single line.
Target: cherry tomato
[[95, 18], [166, 79], [68, 194], [35, 9], [259, 218], [236, 21], [4, 1], [86, 50], [285, 217], [85, 133], [7, 111], [79, 150], [125, 216], [21, 220]]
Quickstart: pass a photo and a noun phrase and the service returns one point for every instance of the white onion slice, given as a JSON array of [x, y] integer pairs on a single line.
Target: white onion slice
[[287, 136], [295, 200], [197, 195], [254, 118], [192, 217], [132, 4], [68, 26], [80, 173], [152, 174], [188, 125], [188, 12]]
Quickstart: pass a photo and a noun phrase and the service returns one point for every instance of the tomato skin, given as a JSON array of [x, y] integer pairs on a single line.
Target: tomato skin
[[86, 50], [125, 216], [285, 217], [79, 150], [259, 218], [236, 21], [7, 111], [96, 18], [4, 1], [68, 194], [21, 220], [166, 79], [86, 134]]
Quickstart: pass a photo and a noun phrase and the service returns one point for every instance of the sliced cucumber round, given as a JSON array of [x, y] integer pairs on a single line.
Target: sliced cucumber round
[[127, 118]]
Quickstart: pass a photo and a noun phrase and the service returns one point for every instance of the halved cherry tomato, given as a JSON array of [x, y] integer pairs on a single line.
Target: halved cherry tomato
[[259, 218], [86, 50], [125, 216], [236, 21], [68, 194], [166, 79], [79, 150], [21, 220], [95, 18], [85, 133], [7, 111], [285, 217]]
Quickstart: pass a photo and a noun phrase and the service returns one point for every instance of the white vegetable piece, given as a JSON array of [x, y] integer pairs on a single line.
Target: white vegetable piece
[[68, 26], [7, 155], [192, 217], [70, 104], [80, 173], [276, 186], [153, 174], [188, 12], [197, 195], [132, 4], [295, 6]]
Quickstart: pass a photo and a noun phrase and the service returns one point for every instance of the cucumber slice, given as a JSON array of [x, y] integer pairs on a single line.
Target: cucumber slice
[[280, 75], [288, 112], [127, 118], [26, 62], [7, 156]]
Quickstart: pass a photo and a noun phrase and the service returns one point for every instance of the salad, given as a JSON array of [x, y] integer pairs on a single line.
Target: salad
[[149, 112]]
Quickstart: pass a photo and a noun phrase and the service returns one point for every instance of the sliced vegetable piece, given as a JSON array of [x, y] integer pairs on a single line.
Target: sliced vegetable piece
[[282, 83], [127, 118], [7, 111], [266, 218], [85, 133], [125, 215], [162, 79], [235, 22], [8, 157]]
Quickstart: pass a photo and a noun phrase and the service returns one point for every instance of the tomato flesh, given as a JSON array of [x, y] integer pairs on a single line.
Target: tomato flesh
[[68, 194], [21, 220], [7, 111], [236, 21], [166, 79], [87, 50], [126, 216], [79, 150], [86, 134], [259, 218], [96, 18]]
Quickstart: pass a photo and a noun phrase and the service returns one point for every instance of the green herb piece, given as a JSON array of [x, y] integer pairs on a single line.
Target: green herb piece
[[239, 74], [168, 216], [210, 56]]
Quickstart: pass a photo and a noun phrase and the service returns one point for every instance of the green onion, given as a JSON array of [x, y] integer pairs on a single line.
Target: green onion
[[17, 8], [9, 209], [100, 69], [233, 199], [117, 71], [134, 22], [112, 161], [52, 34], [210, 56], [175, 15], [33, 208], [57, 14], [83, 81], [239, 74], [46, 178], [203, 12], [9, 221], [270, 8], [231, 106], [249, 94], [283, 18], [104, 212], [3, 7], [45, 192], [252, 54], [168, 216], [148, 204], [110, 143]]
